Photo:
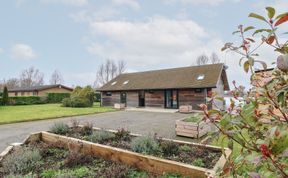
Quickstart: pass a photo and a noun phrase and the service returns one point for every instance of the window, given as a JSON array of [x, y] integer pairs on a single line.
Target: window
[[16, 93], [198, 90], [201, 77], [108, 94], [124, 83], [34, 93], [22, 93], [113, 83]]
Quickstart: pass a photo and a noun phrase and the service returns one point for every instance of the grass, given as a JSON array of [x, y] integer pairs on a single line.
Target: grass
[[12, 114], [194, 118]]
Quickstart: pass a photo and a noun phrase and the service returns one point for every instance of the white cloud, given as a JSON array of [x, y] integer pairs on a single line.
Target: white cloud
[[154, 41], [132, 3], [68, 2], [22, 51], [199, 2]]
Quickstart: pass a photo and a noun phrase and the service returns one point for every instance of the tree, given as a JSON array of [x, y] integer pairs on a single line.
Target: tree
[[202, 59], [10, 83], [31, 77], [5, 97], [260, 124], [56, 78], [108, 70], [214, 58]]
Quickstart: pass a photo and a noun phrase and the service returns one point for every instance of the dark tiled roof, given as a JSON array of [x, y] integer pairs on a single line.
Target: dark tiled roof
[[38, 88], [184, 77]]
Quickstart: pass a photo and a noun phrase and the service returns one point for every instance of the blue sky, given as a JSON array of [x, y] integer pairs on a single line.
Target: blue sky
[[75, 36]]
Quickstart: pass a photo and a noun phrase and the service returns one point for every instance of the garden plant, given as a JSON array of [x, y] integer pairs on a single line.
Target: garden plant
[[260, 124]]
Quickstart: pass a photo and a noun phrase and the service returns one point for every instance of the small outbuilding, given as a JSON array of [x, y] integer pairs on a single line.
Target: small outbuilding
[[39, 90]]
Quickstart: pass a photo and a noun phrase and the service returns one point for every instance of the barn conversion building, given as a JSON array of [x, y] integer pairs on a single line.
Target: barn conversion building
[[167, 88]]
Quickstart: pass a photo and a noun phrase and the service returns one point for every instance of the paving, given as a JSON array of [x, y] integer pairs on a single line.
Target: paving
[[136, 121]]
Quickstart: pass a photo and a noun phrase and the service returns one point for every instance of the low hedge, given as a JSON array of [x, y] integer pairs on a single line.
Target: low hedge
[[27, 100], [57, 97]]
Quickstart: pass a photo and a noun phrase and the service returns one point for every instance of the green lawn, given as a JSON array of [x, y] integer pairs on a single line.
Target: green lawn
[[11, 114]]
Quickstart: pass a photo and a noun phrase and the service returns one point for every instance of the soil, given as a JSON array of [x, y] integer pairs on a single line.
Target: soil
[[186, 155], [58, 162]]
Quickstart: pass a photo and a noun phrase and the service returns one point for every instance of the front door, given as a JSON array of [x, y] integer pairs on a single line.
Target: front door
[[141, 98], [171, 99], [123, 97]]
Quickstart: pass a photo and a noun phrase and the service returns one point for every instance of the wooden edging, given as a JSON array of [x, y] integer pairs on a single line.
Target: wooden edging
[[144, 162], [8, 149]]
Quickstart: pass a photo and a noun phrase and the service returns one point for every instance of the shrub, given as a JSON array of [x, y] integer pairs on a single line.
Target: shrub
[[123, 134], [169, 148], [198, 162], [66, 102], [80, 172], [57, 97], [59, 128], [80, 102], [22, 161], [101, 136], [80, 97], [145, 144], [87, 129], [185, 148], [5, 97], [139, 174]]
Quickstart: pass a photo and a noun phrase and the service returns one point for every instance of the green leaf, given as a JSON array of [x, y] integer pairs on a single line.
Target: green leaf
[[262, 30], [248, 28], [240, 60], [257, 17], [271, 12], [235, 32], [246, 66]]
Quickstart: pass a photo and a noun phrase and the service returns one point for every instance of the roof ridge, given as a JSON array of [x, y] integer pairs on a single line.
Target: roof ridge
[[194, 66]]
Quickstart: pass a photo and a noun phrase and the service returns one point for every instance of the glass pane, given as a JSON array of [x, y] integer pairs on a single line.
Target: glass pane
[[168, 98], [174, 98]]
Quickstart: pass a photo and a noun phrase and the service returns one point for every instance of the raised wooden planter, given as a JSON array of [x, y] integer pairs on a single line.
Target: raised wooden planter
[[143, 162], [119, 105], [192, 129], [185, 109]]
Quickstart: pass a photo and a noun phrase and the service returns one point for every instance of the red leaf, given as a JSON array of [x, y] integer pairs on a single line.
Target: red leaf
[[270, 40], [282, 20]]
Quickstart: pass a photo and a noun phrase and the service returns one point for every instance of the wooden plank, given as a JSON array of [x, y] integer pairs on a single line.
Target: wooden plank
[[6, 152], [144, 162]]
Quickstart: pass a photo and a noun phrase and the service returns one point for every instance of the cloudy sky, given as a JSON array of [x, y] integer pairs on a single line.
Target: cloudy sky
[[75, 36]]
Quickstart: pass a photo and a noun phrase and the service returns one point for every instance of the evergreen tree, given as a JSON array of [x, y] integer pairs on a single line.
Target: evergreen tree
[[5, 96]]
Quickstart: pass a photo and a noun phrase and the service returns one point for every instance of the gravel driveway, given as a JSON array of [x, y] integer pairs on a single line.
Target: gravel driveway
[[137, 122]]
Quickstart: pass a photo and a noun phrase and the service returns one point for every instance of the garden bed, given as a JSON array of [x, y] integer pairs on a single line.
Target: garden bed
[[36, 158], [157, 155], [192, 126]]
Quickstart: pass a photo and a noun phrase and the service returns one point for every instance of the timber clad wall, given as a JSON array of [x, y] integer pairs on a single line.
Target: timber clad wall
[[190, 97], [132, 99], [39, 93], [110, 100], [154, 99]]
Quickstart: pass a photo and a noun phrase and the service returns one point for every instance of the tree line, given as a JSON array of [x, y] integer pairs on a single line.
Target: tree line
[[105, 72], [31, 77]]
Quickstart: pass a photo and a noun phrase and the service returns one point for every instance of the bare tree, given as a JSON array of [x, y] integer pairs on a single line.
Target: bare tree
[[56, 78], [108, 70], [12, 83], [214, 58], [31, 77], [202, 59]]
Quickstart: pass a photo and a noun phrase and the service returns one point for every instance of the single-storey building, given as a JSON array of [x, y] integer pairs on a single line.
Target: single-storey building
[[167, 88], [39, 90]]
